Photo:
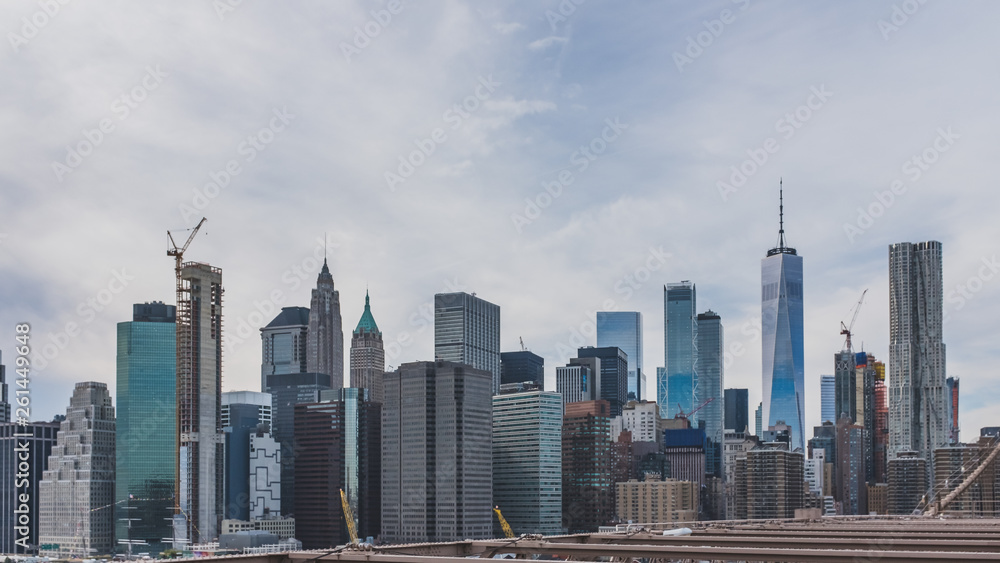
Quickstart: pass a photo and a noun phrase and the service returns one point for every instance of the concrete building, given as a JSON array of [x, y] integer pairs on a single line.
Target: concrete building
[[680, 349], [146, 426], [775, 481], [614, 375], [522, 366], [907, 482], [368, 355], [734, 451], [527, 461], [623, 329], [437, 463], [642, 419], [78, 486], [580, 380], [325, 339], [685, 450], [284, 343], [467, 331], [278, 525], [655, 500], [586, 457], [737, 409], [34, 441], [878, 499]]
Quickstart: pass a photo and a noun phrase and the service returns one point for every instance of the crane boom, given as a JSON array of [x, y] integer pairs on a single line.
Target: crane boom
[[352, 528], [846, 329], [503, 523]]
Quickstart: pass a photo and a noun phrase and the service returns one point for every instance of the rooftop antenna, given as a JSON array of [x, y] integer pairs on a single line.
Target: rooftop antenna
[[781, 213]]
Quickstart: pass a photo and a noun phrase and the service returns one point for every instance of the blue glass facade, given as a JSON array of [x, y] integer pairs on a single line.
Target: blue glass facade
[[680, 349], [623, 329], [146, 437], [711, 416], [782, 342]]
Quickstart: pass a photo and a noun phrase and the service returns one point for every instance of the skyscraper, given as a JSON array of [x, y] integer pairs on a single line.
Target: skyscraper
[[4, 403], [737, 405], [467, 331], [580, 380], [917, 388], [521, 366], [782, 337], [34, 440], [828, 398], [849, 398], [437, 463], [952, 385], [712, 415], [199, 396], [614, 375], [367, 355], [146, 427], [244, 413], [624, 330], [586, 466], [79, 484], [680, 333], [325, 348], [284, 343]]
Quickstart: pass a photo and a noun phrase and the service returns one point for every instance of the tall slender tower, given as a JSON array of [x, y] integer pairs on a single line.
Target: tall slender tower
[[711, 385], [326, 331], [680, 350], [199, 402], [367, 355], [782, 342], [918, 417]]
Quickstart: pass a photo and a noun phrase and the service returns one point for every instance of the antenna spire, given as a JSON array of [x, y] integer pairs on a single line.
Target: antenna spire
[[781, 213]]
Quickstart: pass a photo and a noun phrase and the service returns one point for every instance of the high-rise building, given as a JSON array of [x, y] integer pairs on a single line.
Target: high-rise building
[[710, 396], [4, 402], [686, 449], [758, 417], [580, 380], [737, 407], [642, 419], [782, 338], [288, 390], [849, 390], [907, 482], [614, 375], [586, 467], [527, 462], [325, 339], [437, 462], [775, 481], [828, 398], [852, 489], [518, 367], [284, 343], [880, 433], [952, 402], [265, 475], [623, 329], [145, 433], [367, 355], [338, 442], [199, 396], [244, 414], [917, 389], [656, 500], [35, 441], [735, 449], [467, 331], [78, 486], [680, 349]]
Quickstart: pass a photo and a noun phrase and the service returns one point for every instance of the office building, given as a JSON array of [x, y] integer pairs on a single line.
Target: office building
[[519, 367], [199, 395], [527, 461], [880, 432], [586, 456], [78, 486], [614, 375], [952, 401], [642, 419], [325, 339], [146, 425], [580, 380], [284, 344], [735, 448], [265, 475], [35, 440], [711, 403], [437, 462], [467, 331], [680, 349], [908, 482], [338, 445], [623, 329], [245, 414], [782, 338], [655, 500], [917, 388], [852, 488], [367, 355], [828, 398], [4, 402], [737, 410], [775, 481], [280, 526], [686, 449]]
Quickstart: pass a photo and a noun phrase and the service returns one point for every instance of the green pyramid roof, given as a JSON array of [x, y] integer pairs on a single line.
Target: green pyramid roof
[[367, 321]]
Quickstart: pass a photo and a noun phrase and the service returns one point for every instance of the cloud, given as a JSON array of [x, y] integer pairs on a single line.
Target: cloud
[[546, 42], [508, 28]]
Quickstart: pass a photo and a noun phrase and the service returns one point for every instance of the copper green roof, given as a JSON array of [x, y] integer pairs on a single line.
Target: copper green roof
[[367, 321]]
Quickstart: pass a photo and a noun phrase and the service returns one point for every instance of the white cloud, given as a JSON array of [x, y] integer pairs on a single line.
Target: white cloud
[[547, 42]]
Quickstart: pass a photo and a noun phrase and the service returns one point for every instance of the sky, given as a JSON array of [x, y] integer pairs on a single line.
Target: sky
[[557, 158]]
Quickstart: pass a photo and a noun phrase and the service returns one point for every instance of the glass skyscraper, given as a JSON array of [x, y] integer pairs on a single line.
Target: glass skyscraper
[[712, 415], [783, 371], [623, 329], [146, 437], [467, 331], [828, 398], [677, 389]]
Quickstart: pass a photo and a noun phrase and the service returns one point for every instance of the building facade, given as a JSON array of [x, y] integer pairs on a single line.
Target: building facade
[[737, 409], [586, 466], [325, 339], [680, 331], [907, 482], [244, 414], [367, 355], [580, 380], [828, 398], [775, 481], [34, 441], [623, 329], [654, 500], [284, 343], [522, 366], [467, 331], [614, 375], [78, 486], [710, 396]]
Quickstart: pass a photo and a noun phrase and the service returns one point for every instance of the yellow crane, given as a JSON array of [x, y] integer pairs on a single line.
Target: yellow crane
[[352, 528], [503, 523]]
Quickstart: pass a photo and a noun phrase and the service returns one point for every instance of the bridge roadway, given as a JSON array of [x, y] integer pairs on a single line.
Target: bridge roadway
[[883, 540]]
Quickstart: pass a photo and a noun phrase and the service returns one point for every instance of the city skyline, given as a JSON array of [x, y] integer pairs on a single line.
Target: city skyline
[[83, 250]]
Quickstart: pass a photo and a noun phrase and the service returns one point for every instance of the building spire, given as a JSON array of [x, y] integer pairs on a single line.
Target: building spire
[[781, 248]]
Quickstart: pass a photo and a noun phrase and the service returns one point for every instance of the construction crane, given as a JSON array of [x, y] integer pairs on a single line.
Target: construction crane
[[523, 347], [503, 524], [352, 528], [846, 329], [680, 410], [178, 251]]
